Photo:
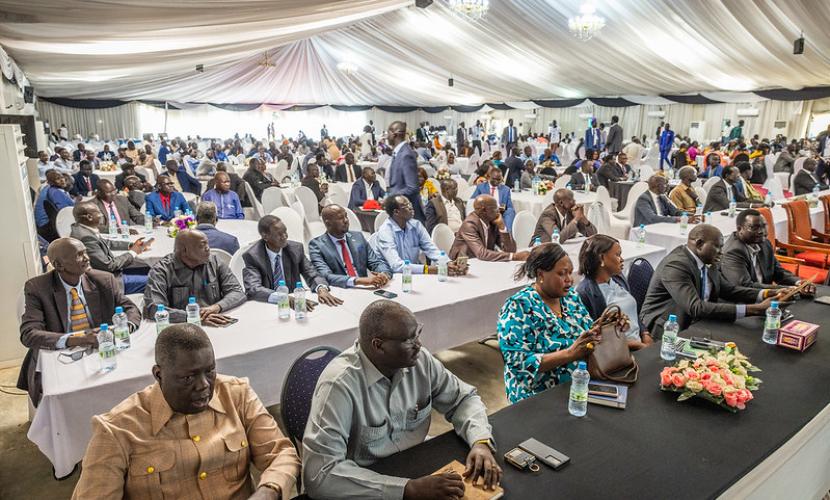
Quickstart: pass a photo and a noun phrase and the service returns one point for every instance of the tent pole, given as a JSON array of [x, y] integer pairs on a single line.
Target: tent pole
[[165, 117]]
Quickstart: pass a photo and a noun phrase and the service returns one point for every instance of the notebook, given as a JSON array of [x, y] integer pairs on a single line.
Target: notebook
[[471, 492]]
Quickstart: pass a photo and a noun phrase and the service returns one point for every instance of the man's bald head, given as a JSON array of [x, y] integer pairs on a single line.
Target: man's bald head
[[564, 200], [396, 132], [705, 232], [335, 219], [69, 258], [191, 247], [87, 213], [687, 174], [389, 336], [657, 184], [706, 242]]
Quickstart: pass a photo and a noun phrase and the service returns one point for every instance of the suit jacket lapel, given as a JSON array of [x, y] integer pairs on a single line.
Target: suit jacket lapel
[[269, 266], [288, 266], [60, 301], [93, 302]]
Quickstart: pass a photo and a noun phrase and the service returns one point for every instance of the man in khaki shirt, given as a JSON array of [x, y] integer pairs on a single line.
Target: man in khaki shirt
[[191, 435], [684, 195]]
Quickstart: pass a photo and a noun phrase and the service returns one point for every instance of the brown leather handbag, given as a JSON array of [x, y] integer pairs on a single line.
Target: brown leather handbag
[[611, 359]]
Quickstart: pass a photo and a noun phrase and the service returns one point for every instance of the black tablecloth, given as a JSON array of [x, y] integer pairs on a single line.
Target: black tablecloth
[[657, 447], [619, 190], [367, 219]]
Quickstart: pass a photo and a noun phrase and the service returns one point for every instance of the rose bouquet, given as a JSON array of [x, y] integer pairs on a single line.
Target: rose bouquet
[[443, 174], [180, 223], [545, 186], [722, 377]]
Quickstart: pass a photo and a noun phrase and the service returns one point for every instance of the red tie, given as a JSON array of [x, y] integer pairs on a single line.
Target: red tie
[[493, 191], [347, 259], [88, 184]]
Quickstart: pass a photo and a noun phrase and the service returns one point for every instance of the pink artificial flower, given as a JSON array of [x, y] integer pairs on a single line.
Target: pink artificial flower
[[692, 375], [665, 379], [714, 389], [706, 376], [731, 398], [678, 380]]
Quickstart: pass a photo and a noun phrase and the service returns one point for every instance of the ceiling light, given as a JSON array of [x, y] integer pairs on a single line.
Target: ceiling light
[[473, 9], [587, 24]]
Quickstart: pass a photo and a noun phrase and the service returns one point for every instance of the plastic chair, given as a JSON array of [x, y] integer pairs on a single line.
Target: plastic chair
[[711, 181], [293, 222], [64, 221], [646, 172], [639, 276], [635, 192], [272, 198], [354, 222], [562, 181], [701, 195], [237, 263], [443, 237], [223, 256], [298, 389], [256, 205], [599, 215], [523, 225], [775, 188], [380, 219]]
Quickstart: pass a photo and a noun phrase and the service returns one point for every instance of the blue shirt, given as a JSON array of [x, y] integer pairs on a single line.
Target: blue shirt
[[57, 196], [396, 245], [528, 329], [227, 204], [350, 283]]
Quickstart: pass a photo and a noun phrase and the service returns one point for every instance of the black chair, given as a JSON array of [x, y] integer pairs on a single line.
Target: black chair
[[298, 389], [49, 232], [639, 276]]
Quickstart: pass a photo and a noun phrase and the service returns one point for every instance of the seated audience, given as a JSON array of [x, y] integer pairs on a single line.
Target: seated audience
[[749, 191], [498, 192], [44, 164], [225, 426], [64, 161], [403, 238], [206, 220], [512, 168], [566, 216], [354, 393], [543, 329], [237, 184], [135, 192], [348, 171], [128, 169], [344, 258], [688, 283], [480, 176], [603, 285], [164, 202], [51, 199], [786, 160], [105, 154], [584, 179], [227, 201], [529, 173], [749, 259], [713, 167], [99, 250], [484, 234], [273, 259], [191, 271], [446, 208], [84, 182], [806, 180], [182, 180], [365, 188], [312, 182], [64, 307], [725, 190], [609, 172], [653, 207], [684, 196], [112, 205], [427, 189]]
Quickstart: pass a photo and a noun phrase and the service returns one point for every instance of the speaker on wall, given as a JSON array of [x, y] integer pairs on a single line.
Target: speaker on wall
[[28, 94], [423, 4]]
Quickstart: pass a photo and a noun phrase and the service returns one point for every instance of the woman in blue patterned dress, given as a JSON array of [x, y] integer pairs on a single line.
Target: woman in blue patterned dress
[[544, 329]]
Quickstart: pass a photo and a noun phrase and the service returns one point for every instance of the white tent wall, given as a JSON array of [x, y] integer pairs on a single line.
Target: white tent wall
[[120, 121]]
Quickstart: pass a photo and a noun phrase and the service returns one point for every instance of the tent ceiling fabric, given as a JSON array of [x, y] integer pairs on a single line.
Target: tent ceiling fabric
[[522, 50]]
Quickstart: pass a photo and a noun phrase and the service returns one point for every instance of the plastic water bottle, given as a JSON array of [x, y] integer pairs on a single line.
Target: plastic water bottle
[[148, 223], [406, 277], [554, 237], [698, 210], [538, 241], [814, 198], [670, 329], [443, 269], [120, 329], [113, 227], [517, 186], [569, 187], [732, 207], [768, 199], [772, 324], [162, 318], [684, 223], [125, 230], [283, 304], [299, 301], [106, 349], [708, 217], [536, 181], [578, 402], [192, 309], [641, 236]]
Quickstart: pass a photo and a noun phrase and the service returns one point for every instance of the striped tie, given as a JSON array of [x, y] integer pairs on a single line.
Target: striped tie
[[78, 320]]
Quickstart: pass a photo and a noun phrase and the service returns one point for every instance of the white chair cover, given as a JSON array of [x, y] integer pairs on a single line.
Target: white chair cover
[[354, 222], [711, 181], [646, 171], [64, 221], [237, 263], [190, 197], [309, 202], [272, 198], [599, 215], [293, 223], [797, 166], [702, 194], [255, 203], [769, 163], [562, 181], [380, 219], [783, 178], [443, 237], [627, 213], [775, 188], [523, 225], [605, 197], [223, 256]]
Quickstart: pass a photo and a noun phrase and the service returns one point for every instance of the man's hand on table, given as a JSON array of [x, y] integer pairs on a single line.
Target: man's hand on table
[[375, 280], [808, 290], [482, 464], [454, 269], [309, 304], [263, 493], [445, 486], [87, 338], [327, 298]]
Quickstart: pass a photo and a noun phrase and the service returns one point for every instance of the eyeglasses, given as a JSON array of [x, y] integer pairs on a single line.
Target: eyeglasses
[[410, 342], [67, 358]]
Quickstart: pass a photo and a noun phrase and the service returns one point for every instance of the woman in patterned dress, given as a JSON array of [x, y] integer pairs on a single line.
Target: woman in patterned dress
[[544, 329]]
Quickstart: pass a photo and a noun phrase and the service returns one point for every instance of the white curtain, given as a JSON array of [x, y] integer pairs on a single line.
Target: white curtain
[[108, 123]]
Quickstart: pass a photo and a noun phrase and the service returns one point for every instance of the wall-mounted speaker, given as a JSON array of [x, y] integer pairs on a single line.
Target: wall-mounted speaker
[[423, 4]]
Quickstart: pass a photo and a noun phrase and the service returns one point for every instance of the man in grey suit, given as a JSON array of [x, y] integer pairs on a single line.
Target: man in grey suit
[[613, 144], [725, 190], [344, 258], [273, 259], [110, 203], [688, 283], [440, 208], [403, 171], [510, 136], [805, 180], [564, 215], [653, 206], [64, 307], [99, 250]]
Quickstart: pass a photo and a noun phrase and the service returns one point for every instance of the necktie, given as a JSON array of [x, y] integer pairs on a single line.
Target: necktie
[[510, 134], [278, 273], [350, 173], [78, 320], [88, 184], [347, 259]]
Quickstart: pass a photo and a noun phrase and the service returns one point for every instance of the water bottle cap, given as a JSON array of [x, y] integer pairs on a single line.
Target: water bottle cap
[[672, 317], [642, 226], [406, 262], [119, 310], [160, 307], [104, 327], [299, 284], [123, 222], [443, 253], [582, 366], [191, 300], [774, 304], [282, 283]]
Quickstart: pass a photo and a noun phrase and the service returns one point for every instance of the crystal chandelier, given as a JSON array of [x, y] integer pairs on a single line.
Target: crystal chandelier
[[473, 9], [587, 24]]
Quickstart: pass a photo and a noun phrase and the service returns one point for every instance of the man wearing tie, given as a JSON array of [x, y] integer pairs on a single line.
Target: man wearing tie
[[592, 137], [653, 206], [348, 171], [85, 180], [365, 188], [403, 171], [500, 193], [509, 136], [111, 204]]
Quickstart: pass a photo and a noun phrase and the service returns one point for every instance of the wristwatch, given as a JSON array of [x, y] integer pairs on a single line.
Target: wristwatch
[[487, 442]]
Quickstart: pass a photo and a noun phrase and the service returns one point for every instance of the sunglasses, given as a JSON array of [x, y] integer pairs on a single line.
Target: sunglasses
[[68, 358]]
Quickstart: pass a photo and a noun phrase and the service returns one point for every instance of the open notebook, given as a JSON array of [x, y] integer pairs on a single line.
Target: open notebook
[[471, 492]]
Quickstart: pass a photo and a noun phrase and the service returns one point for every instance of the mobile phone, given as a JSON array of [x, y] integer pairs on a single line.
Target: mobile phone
[[823, 300], [386, 294], [147, 242], [545, 453], [521, 459], [603, 390], [229, 323]]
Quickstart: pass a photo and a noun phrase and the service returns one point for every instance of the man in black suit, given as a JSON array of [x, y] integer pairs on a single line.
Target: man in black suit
[[364, 187], [80, 153], [403, 171], [613, 144], [348, 171], [653, 206], [113, 205], [128, 169], [806, 180], [258, 178], [688, 283], [723, 191], [312, 182], [749, 259], [447, 208], [512, 168], [609, 172], [460, 137], [273, 259], [85, 181]]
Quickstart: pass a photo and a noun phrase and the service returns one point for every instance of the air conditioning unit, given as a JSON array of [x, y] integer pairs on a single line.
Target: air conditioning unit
[[656, 114], [586, 116], [780, 127], [697, 131], [748, 112]]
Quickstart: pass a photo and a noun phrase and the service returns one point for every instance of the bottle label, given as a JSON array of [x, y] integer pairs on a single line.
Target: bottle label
[[773, 323], [106, 350]]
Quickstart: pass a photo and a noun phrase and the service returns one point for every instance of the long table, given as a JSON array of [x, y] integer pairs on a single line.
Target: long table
[[262, 348], [779, 447]]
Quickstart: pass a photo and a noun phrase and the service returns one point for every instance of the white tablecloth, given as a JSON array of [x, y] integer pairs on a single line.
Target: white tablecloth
[[535, 204]]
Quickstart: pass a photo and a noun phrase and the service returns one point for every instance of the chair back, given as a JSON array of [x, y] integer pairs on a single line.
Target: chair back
[[604, 196], [336, 196], [631, 202], [309, 200], [562, 181], [443, 237], [223, 256], [775, 187], [646, 171], [382, 182], [797, 166], [272, 198], [379, 220], [298, 389], [293, 223], [701, 195], [766, 213], [711, 181], [825, 202], [769, 163], [639, 276], [148, 174], [237, 263], [64, 221], [599, 215], [256, 205], [523, 225], [354, 222], [799, 225]]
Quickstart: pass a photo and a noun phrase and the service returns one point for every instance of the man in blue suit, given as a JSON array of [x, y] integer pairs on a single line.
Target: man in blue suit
[[206, 219], [403, 171], [593, 139], [187, 183], [344, 258], [367, 184], [163, 203], [500, 192], [85, 181], [666, 143]]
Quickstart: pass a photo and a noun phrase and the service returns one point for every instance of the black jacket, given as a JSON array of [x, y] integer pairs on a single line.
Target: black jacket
[[736, 265], [258, 274]]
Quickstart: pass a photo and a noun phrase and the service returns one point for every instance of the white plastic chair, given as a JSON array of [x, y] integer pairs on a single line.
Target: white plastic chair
[[797, 166], [309, 201], [293, 223], [605, 197], [64, 221], [381, 182], [769, 163], [562, 181], [523, 225], [775, 188], [258, 212], [338, 197], [783, 178], [272, 198], [354, 222], [627, 213], [701, 195], [646, 172], [711, 181], [598, 215], [443, 237], [380, 219], [223, 256], [190, 198], [237, 263]]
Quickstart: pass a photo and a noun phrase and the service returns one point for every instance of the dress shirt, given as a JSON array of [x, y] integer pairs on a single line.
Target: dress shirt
[[454, 218], [657, 206], [729, 191], [110, 211], [703, 269], [227, 204], [359, 416], [397, 245], [336, 242], [754, 250], [143, 449], [272, 256], [370, 195]]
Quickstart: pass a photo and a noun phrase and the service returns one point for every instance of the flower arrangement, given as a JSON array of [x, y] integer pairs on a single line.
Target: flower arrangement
[[544, 186], [107, 166], [180, 223], [443, 174], [721, 377]]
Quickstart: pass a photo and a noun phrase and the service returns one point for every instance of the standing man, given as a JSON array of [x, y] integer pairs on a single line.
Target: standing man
[[460, 137], [615, 135], [666, 144], [475, 135], [403, 171], [324, 132], [593, 139], [554, 136], [737, 132], [510, 136]]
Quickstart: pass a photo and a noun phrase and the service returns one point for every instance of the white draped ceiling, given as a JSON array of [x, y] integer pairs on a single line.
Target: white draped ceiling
[[148, 49]]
